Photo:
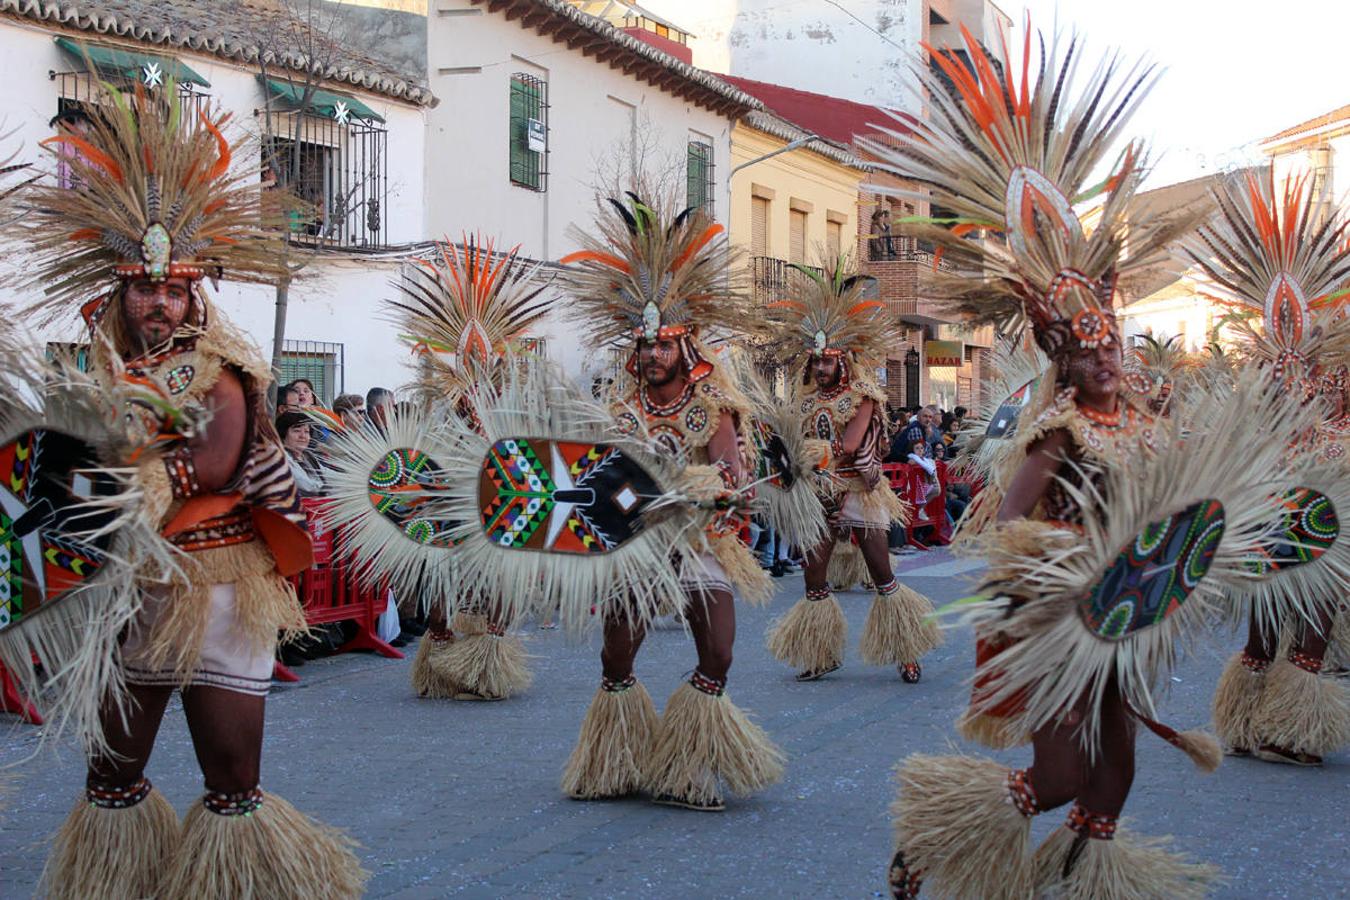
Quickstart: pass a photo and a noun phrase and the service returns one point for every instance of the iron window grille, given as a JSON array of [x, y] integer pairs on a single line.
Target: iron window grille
[[340, 169], [701, 183], [529, 132], [320, 362]]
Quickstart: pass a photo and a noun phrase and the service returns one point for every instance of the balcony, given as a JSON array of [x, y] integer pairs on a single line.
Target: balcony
[[774, 279], [898, 264]]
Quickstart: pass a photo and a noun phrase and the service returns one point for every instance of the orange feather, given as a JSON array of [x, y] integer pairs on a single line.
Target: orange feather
[[85, 234], [865, 304], [698, 244], [90, 153], [222, 164], [596, 256]]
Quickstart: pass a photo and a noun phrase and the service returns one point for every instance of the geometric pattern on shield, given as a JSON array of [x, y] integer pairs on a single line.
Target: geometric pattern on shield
[[46, 545], [562, 496], [395, 483], [1153, 575], [1309, 529]]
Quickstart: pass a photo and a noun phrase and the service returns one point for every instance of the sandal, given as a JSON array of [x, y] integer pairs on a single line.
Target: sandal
[[466, 694], [904, 883], [910, 672], [817, 674], [1271, 753], [714, 805]]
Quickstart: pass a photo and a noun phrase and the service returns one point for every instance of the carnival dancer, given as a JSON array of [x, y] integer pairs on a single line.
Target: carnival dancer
[[837, 337], [663, 284], [152, 208], [464, 311], [1075, 635], [1271, 251]]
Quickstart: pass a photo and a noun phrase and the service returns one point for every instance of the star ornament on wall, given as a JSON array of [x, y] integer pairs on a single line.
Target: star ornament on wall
[[152, 74], [341, 113]]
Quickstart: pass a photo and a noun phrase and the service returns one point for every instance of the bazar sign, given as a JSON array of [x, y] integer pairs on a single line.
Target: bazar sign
[[944, 353]]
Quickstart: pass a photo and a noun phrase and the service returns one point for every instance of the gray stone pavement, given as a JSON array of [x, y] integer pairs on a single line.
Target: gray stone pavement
[[462, 800]]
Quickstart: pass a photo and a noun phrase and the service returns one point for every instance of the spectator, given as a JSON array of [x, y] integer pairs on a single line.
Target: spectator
[[881, 245], [288, 400], [302, 389], [379, 403], [351, 411], [293, 427]]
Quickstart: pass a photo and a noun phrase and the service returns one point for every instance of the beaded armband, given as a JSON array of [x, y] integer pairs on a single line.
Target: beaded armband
[[1091, 825], [244, 803], [182, 472]]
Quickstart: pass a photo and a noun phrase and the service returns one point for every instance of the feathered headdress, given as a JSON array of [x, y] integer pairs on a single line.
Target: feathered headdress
[[1270, 253], [1006, 153], [827, 313], [465, 307], [647, 279], [150, 194]]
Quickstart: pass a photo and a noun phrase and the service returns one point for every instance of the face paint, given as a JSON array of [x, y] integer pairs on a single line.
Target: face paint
[[154, 310]]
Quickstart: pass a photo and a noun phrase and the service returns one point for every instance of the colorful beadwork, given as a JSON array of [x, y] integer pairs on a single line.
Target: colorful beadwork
[[696, 419], [1151, 577], [1255, 665], [117, 797], [1309, 530], [1022, 794], [1304, 661], [708, 685], [1091, 825], [179, 378], [244, 803], [612, 686]]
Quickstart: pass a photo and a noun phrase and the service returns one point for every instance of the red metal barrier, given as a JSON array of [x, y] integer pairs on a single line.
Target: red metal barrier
[[330, 592], [907, 481], [11, 701]]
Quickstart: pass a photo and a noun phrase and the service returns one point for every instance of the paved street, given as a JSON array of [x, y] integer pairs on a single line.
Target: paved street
[[462, 800]]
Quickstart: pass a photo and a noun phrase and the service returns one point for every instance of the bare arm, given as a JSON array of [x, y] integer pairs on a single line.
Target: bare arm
[[1044, 457], [857, 427], [217, 450], [722, 447]]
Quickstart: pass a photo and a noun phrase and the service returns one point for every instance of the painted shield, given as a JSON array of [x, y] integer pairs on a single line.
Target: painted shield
[[394, 485], [771, 457], [562, 496], [1310, 528], [1153, 575], [1003, 424], [46, 543]]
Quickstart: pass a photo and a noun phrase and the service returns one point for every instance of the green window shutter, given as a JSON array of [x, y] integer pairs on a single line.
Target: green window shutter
[[527, 102], [698, 176]]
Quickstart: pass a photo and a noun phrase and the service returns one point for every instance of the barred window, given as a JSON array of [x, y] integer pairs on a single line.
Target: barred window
[[319, 362], [701, 186], [529, 132]]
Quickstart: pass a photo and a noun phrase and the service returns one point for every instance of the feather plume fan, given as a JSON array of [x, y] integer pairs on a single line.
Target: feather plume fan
[[1197, 513], [1011, 151], [151, 187], [1284, 263], [464, 309], [646, 269], [829, 309]]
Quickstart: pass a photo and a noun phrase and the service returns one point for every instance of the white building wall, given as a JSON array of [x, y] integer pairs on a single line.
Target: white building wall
[[593, 114], [809, 46], [335, 300]]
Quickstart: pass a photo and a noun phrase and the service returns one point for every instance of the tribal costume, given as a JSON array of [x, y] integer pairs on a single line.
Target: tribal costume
[[1272, 253], [837, 336], [1084, 608], [664, 286], [464, 312], [151, 209]]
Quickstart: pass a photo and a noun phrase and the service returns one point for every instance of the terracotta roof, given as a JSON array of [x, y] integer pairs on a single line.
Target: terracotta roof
[[228, 30], [564, 23], [1336, 115], [834, 118]]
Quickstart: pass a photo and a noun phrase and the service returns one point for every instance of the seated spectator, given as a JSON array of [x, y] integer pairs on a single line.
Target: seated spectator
[[288, 400], [351, 411], [294, 428]]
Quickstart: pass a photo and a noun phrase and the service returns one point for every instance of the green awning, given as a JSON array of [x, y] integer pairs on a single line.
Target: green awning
[[117, 62], [326, 103]]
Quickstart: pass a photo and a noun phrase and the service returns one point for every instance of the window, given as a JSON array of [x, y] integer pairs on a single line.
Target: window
[[702, 187], [529, 132], [318, 361], [759, 226], [334, 154], [797, 237], [834, 239]]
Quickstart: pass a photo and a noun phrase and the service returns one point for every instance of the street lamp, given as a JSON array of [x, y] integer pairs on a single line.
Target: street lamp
[[911, 357]]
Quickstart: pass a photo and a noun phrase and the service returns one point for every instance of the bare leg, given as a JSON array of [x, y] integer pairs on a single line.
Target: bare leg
[[712, 619], [131, 743], [227, 733], [818, 565], [1261, 642], [623, 639], [1058, 766], [876, 553]]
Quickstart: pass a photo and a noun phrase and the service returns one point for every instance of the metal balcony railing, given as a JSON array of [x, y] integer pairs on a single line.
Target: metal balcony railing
[[774, 279]]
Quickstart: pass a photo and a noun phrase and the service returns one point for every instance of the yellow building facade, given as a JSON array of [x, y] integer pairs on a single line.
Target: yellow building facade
[[795, 205]]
